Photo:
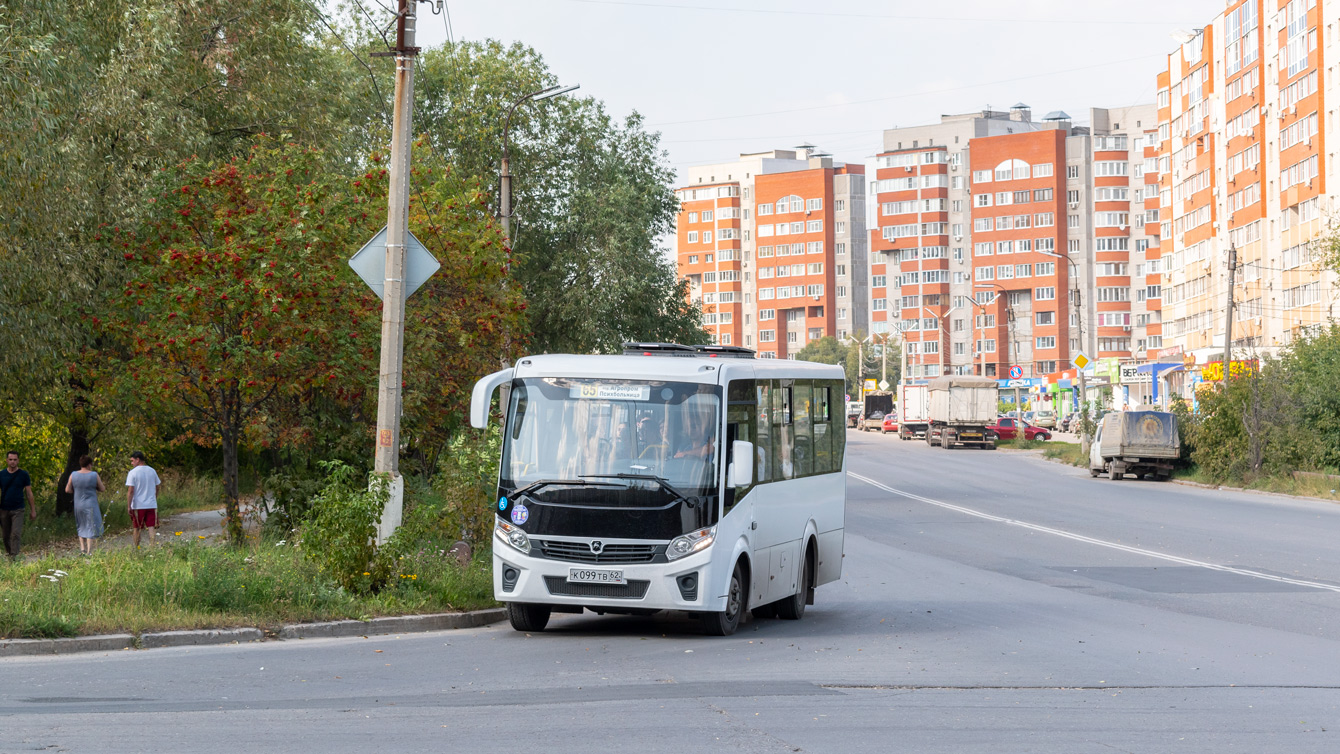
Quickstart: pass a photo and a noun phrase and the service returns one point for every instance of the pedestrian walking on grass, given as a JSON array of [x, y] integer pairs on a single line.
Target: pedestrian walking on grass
[[85, 484], [142, 497], [15, 487]]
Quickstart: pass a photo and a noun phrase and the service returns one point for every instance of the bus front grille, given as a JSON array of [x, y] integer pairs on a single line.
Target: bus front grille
[[635, 589], [580, 552]]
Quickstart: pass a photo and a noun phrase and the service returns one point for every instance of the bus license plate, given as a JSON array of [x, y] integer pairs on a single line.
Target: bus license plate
[[595, 576]]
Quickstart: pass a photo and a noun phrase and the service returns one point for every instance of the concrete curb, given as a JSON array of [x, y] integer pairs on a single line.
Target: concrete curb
[[103, 643], [200, 638], [401, 624]]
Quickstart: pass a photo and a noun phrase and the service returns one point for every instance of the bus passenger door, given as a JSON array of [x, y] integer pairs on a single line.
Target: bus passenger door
[[738, 514]]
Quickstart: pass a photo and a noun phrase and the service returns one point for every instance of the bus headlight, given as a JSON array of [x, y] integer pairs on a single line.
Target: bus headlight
[[687, 544], [513, 536]]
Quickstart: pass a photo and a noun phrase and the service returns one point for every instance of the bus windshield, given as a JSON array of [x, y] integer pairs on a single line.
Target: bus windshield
[[584, 430]]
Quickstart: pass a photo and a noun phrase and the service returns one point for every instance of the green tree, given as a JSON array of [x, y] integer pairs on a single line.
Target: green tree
[[97, 98], [239, 295], [592, 197]]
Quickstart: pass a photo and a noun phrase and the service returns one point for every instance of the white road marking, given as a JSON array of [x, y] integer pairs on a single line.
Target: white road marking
[[1099, 542]]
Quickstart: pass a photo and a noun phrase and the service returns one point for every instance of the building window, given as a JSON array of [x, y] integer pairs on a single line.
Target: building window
[[767, 336], [813, 204], [1072, 171], [1044, 294], [1044, 342], [693, 236], [1044, 318], [707, 236]]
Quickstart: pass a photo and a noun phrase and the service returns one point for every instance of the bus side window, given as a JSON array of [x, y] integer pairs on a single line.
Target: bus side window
[[764, 430], [823, 428], [837, 427], [803, 412], [783, 439]]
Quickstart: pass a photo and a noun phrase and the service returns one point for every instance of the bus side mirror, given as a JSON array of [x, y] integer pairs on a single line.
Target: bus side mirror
[[741, 471], [482, 396]]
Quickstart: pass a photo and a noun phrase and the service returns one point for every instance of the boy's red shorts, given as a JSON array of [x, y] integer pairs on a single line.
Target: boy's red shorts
[[144, 518]]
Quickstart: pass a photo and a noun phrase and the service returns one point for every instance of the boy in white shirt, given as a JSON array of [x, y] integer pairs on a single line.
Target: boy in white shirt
[[142, 485]]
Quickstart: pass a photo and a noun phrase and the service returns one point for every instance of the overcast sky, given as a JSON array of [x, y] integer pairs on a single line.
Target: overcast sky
[[718, 78]]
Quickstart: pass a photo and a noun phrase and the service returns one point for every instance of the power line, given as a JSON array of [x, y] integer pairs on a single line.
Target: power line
[[901, 96], [381, 101], [886, 16]]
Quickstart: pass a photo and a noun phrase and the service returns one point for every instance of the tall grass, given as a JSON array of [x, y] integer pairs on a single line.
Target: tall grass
[[183, 585]]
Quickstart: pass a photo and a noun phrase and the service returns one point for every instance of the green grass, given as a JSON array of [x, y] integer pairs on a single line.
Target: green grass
[[185, 585], [1065, 452], [1306, 486], [180, 493], [1023, 444]]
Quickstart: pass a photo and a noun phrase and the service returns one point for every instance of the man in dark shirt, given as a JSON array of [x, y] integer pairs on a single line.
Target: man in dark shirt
[[15, 486]]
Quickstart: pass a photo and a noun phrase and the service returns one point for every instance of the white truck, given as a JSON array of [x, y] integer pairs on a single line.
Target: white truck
[[913, 411], [1143, 443], [961, 408]]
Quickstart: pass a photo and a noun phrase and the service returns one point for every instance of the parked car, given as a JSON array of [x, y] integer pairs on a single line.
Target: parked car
[[1007, 428], [1045, 418], [890, 423]]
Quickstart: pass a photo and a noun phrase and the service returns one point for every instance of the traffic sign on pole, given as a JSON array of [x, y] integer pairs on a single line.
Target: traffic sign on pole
[[1016, 372], [370, 264]]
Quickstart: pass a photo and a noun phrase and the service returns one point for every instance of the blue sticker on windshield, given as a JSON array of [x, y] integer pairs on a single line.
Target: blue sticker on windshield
[[502, 503], [519, 514]]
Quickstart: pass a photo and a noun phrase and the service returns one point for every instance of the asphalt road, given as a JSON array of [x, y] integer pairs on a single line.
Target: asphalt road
[[991, 602]]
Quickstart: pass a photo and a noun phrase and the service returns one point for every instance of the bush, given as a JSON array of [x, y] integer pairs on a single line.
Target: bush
[[340, 533]]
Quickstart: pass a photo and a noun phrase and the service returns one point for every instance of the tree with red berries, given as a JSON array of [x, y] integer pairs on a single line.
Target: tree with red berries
[[240, 295]]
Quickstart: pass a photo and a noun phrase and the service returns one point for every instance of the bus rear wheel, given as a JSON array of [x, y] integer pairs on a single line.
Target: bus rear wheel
[[527, 617], [725, 622]]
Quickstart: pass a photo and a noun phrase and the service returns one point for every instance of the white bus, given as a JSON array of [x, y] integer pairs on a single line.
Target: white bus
[[691, 478]]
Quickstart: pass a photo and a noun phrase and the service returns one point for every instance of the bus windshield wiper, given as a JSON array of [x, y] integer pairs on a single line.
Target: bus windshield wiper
[[660, 480], [540, 483]]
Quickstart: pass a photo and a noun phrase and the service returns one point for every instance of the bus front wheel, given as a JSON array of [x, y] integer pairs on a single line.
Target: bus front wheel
[[528, 617], [725, 622]]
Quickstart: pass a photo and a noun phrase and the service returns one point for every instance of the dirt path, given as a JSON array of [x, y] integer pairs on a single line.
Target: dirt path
[[201, 526]]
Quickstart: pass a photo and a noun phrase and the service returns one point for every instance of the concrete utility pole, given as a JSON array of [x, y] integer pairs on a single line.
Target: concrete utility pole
[[391, 375], [1228, 318]]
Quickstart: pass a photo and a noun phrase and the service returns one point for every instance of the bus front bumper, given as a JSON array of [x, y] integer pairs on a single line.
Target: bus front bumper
[[683, 584]]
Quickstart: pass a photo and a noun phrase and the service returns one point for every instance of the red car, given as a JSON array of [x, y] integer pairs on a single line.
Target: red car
[[890, 423], [1007, 428]]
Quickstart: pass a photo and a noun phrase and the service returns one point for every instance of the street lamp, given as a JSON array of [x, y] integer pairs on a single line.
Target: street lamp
[[1083, 391], [1014, 346], [505, 188], [981, 352], [944, 321], [860, 360]]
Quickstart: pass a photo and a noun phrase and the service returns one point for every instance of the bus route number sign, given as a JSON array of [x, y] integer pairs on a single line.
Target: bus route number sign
[[611, 392]]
